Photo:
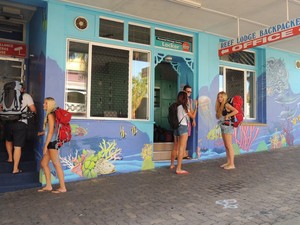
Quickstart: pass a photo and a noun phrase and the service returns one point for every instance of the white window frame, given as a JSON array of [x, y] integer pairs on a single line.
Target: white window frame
[[130, 50], [245, 89]]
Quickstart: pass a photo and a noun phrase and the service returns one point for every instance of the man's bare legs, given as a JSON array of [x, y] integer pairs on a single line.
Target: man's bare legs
[[9, 149], [13, 155], [17, 157]]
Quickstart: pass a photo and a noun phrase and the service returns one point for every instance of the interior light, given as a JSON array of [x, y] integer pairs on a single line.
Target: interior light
[[168, 58]]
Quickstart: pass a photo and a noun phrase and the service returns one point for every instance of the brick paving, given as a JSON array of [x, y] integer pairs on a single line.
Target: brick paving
[[264, 189]]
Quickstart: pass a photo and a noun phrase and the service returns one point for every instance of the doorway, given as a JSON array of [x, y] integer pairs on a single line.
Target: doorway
[[172, 73], [166, 87]]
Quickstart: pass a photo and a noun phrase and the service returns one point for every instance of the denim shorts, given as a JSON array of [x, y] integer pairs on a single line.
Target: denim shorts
[[182, 129], [225, 129]]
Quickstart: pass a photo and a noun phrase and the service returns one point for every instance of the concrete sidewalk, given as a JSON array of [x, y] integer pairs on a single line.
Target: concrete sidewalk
[[263, 189]]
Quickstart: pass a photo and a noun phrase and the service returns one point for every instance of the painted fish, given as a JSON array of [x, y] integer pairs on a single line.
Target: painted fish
[[103, 166], [214, 133], [80, 131], [133, 130], [122, 132], [288, 114], [287, 98]]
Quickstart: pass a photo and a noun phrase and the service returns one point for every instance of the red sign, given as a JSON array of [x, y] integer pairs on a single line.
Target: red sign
[[261, 41], [186, 46], [13, 50]]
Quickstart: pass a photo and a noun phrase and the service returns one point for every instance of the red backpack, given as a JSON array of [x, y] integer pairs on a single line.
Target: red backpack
[[237, 102], [63, 118]]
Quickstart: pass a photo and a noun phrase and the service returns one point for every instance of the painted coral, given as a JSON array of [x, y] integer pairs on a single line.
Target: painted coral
[[244, 136], [146, 154]]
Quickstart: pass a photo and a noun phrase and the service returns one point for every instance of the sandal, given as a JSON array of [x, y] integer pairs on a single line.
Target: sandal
[[20, 171], [44, 190], [229, 167], [225, 164], [187, 157], [57, 191]]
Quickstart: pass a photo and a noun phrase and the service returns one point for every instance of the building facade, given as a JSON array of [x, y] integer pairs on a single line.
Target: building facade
[[118, 74]]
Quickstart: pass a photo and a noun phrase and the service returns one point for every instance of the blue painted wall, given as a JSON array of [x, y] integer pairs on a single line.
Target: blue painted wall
[[102, 147]]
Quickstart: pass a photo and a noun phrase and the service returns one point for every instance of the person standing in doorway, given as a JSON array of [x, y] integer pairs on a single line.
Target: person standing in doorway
[[224, 112], [16, 132], [51, 149], [181, 133], [188, 89]]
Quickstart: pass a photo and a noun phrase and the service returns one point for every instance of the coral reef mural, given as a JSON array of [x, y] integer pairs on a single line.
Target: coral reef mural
[[282, 118], [102, 148]]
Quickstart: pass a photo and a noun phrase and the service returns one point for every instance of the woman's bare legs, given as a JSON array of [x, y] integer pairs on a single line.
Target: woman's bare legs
[[227, 138], [54, 155], [181, 148], [45, 165], [174, 152]]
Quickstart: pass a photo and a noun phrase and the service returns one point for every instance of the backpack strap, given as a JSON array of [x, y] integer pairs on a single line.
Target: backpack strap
[[183, 116], [16, 101], [1, 97]]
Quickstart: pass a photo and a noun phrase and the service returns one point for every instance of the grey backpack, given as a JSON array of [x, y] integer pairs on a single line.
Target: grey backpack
[[11, 100]]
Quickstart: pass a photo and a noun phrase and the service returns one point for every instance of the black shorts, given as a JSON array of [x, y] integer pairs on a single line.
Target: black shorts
[[16, 132], [54, 145]]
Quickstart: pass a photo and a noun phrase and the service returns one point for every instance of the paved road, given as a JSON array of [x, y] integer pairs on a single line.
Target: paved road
[[264, 189]]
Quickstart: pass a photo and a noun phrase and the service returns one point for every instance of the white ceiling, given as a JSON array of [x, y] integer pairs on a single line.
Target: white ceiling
[[227, 18]]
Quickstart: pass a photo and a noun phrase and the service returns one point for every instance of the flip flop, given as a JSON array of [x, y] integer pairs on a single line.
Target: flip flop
[[44, 190], [20, 171], [229, 167], [182, 172], [225, 164], [187, 157], [58, 191]]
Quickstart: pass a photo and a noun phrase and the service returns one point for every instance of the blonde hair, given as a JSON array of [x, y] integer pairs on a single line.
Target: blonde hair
[[220, 106], [51, 106]]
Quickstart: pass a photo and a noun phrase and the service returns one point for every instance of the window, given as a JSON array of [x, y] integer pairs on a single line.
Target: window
[[242, 57], [140, 85], [111, 29], [240, 82], [109, 82], [76, 78], [11, 70], [118, 80], [11, 31], [139, 34]]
